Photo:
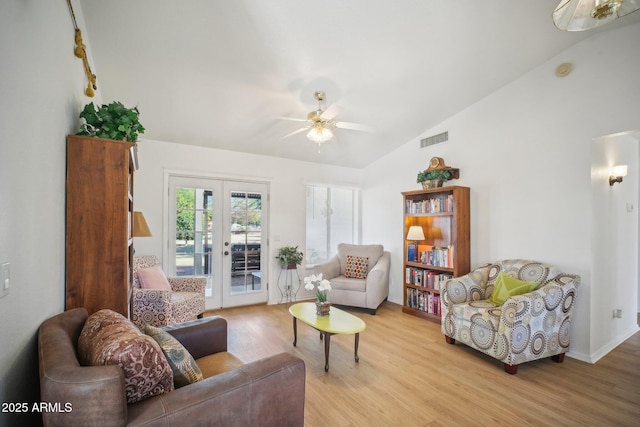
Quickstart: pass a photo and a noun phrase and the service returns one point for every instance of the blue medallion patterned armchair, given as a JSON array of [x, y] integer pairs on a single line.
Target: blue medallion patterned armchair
[[179, 300], [526, 327]]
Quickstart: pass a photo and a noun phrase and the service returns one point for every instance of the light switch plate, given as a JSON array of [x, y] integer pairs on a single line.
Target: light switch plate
[[5, 279]]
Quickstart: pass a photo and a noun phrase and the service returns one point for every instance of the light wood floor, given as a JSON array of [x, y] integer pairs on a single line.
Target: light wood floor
[[409, 376]]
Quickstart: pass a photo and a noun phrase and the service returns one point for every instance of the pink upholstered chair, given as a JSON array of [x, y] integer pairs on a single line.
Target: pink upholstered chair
[[159, 300]]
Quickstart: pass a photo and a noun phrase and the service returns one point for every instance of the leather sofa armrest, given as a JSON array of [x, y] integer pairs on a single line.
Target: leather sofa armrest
[[270, 391], [76, 388], [201, 337], [330, 269]]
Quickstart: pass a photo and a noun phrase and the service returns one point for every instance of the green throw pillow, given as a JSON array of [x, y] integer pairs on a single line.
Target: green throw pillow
[[507, 286], [184, 367]]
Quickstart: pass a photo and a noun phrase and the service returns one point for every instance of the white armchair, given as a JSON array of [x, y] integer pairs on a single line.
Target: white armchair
[[171, 300], [359, 276]]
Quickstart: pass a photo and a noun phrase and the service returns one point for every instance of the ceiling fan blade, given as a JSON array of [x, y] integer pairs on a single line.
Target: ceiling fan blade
[[293, 119], [295, 132], [354, 126], [330, 112]]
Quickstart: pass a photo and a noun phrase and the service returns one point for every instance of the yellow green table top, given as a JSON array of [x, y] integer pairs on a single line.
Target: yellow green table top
[[337, 322]]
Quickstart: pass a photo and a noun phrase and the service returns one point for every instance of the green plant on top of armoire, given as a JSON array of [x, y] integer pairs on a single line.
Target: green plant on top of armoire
[[289, 256], [111, 121]]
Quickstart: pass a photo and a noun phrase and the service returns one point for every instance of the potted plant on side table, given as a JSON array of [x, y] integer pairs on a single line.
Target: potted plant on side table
[[289, 257]]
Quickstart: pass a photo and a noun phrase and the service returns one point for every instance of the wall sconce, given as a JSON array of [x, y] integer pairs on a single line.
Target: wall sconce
[[617, 173]]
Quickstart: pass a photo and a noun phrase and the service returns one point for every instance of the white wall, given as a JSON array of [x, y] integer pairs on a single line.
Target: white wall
[[287, 179], [615, 228], [41, 95], [525, 152]]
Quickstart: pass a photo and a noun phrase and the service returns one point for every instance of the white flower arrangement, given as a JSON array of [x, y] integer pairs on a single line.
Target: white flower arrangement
[[323, 286]]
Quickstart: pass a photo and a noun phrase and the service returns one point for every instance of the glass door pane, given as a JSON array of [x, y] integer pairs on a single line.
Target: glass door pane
[[246, 283], [194, 233], [246, 239]]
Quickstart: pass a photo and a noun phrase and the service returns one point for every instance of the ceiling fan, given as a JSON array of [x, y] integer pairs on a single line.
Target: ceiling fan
[[581, 15], [320, 123]]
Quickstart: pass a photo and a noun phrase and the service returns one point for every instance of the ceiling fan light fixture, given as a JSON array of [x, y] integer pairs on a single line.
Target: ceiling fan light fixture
[[319, 134], [581, 15], [606, 9]]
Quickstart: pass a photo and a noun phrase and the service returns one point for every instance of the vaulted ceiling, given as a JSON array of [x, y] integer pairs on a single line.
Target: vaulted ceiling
[[222, 73]]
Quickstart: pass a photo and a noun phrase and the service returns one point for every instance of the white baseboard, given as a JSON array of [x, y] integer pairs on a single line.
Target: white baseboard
[[604, 350]]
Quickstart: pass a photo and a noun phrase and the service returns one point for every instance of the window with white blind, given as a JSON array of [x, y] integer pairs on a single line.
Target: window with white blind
[[332, 218]]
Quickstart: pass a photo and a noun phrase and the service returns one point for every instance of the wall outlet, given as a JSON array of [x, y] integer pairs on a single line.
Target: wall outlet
[[617, 313]]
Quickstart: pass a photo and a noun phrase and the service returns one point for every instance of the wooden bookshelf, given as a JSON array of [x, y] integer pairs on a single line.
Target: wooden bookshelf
[[443, 214], [99, 223]]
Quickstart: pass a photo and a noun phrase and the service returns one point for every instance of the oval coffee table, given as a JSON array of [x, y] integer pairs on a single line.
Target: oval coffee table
[[337, 322]]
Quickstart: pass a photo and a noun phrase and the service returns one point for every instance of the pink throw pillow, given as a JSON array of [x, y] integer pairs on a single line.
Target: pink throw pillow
[[153, 278]]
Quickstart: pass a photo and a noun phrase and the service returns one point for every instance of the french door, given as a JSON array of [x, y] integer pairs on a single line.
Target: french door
[[218, 229]]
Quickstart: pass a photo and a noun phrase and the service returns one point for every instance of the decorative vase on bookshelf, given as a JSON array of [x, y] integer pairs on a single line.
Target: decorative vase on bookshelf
[[323, 308], [433, 183]]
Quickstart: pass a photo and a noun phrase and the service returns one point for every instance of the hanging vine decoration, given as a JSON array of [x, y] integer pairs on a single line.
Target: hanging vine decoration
[[80, 52]]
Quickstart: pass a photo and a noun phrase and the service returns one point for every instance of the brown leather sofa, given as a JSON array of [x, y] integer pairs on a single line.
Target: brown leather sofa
[[268, 392]]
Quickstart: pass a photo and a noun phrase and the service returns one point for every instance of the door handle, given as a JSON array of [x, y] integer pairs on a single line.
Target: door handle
[[226, 252]]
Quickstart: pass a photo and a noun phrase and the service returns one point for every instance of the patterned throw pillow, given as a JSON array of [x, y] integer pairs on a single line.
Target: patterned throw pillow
[[184, 367], [108, 338], [356, 267]]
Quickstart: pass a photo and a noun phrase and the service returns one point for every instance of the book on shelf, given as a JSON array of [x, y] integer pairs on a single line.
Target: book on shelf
[[422, 251], [425, 278], [424, 301], [436, 204], [437, 256], [412, 252]]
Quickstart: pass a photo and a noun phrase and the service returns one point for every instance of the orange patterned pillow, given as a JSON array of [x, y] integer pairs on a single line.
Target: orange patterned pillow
[[356, 267], [108, 338]]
